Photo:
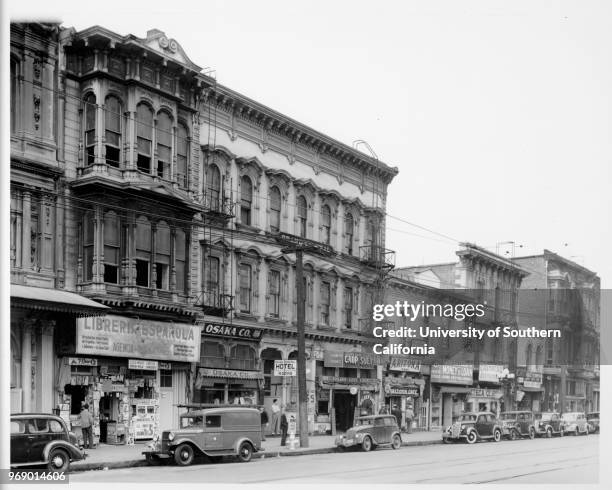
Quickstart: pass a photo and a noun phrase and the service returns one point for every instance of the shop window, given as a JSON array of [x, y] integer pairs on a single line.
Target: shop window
[[302, 214], [349, 227], [112, 126], [348, 307], [329, 371], [143, 251], [367, 373], [274, 294], [165, 378], [144, 137], [163, 137], [182, 152], [246, 200], [213, 421], [111, 247], [213, 191], [180, 259], [88, 245], [242, 357], [326, 224], [347, 372], [90, 128], [244, 273], [275, 209], [162, 256], [325, 303]]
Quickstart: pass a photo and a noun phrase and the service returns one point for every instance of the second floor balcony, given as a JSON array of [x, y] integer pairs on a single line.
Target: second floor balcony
[[215, 303], [377, 256]]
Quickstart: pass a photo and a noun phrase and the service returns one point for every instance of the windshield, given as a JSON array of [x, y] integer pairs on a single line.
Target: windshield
[[543, 416], [195, 421], [467, 417], [508, 416], [569, 416], [365, 421]]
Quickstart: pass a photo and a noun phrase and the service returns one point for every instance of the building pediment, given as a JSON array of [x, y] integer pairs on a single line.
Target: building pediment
[[157, 40]]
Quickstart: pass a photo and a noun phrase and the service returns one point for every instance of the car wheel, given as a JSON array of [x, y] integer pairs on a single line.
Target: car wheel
[[366, 444], [513, 435], [531, 433], [497, 435], [245, 452], [471, 437], [153, 460], [396, 443], [549, 432], [576, 431], [183, 455], [58, 460]]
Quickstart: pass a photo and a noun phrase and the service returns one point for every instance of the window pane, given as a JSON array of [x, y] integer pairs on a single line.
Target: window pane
[[113, 115], [164, 129], [144, 122]]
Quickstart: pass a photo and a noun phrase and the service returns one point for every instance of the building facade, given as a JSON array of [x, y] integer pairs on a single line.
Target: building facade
[[146, 203]]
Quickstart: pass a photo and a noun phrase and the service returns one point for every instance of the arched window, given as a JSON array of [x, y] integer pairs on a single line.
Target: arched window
[[112, 126], [182, 151], [90, 128], [162, 256], [144, 137], [246, 200], [275, 209], [143, 251], [242, 357], [112, 259], [88, 245], [180, 259], [213, 191], [529, 356], [302, 213], [539, 360], [163, 137], [325, 224], [349, 227], [245, 285], [212, 354]]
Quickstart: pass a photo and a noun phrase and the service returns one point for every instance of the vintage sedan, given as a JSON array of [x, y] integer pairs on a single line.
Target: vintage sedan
[[371, 431], [473, 426], [548, 424], [39, 439], [518, 424], [212, 432], [593, 421], [575, 423]]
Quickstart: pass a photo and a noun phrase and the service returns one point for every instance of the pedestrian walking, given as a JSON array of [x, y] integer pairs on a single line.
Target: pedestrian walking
[[409, 417], [275, 416], [397, 413], [284, 425], [264, 422], [86, 426]]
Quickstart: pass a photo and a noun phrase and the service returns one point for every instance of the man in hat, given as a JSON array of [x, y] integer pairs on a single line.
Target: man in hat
[[86, 426]]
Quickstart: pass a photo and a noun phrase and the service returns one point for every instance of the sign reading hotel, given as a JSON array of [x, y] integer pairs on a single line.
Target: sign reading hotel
[[285, 368], [460, 374], [119, 336], [405, 364]]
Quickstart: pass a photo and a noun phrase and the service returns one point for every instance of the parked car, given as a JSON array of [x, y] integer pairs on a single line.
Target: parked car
[[474, 426], [212, 432], [518, 424], [575, 423], [372, 431], [548, 424], [42, 439], [593, 421]]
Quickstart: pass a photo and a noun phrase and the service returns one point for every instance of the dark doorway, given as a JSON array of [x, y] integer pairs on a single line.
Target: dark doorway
[[344, 404]]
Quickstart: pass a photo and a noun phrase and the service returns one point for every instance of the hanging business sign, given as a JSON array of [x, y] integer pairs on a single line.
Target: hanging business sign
[[361, 360], [231, 331], [460, 374], [285, 368], [404, 364], [229, 373], [143, 365], [490, 372], [119, 336], [82, 361]]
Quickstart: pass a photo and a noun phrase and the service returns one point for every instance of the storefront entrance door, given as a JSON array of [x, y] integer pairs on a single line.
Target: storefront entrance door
[[344, 404], [166, 409]]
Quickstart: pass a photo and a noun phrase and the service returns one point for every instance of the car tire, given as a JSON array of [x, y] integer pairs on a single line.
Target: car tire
[[245, 452], [153, 459], [396, 442], [366, 444], [576, 432], [549, 432], [513, 435], [472, 437], [59, 460], [183, 455], [497, 435], [532, 433]]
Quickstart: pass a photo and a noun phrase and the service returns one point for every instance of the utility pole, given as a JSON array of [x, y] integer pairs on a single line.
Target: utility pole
[[299, 245]]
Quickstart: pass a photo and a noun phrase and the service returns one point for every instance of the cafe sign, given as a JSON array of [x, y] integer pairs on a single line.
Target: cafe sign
[[460, 374], [231, 331], [118, 336], [409, 390], [352, 359]]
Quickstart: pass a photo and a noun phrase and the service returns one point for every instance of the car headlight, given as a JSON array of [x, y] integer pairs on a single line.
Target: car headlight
[[171, 436], [359, 436]]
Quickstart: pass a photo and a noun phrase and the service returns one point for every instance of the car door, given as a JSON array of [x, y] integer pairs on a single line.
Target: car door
[[214, 435], [20, 442], [482, 426], [523, 423], [40, 436]]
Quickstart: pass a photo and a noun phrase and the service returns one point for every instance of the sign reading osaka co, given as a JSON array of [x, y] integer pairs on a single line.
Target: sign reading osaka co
[[231, 331]]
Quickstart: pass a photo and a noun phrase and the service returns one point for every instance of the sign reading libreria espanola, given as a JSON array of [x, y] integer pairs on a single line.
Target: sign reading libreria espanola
[[119, 336]]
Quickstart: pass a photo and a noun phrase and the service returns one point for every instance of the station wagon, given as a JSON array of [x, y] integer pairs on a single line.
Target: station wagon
[[211, 432], [372, 431], [518, 424]]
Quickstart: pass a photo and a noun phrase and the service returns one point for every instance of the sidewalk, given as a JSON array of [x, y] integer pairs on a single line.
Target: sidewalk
[[108, 456]]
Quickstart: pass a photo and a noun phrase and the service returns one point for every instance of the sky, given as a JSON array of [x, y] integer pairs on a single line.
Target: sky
[[497, 114]]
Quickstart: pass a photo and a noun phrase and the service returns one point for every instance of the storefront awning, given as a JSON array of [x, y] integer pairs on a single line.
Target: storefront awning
[[527, 388], [45, 299]]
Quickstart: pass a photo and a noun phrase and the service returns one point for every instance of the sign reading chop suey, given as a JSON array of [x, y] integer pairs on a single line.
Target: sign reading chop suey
[[119, 336]]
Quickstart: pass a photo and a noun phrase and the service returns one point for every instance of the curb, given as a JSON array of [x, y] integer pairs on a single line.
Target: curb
[[266, 454]]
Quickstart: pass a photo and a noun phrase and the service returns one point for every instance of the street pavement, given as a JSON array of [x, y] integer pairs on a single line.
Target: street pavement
[[573, 460]]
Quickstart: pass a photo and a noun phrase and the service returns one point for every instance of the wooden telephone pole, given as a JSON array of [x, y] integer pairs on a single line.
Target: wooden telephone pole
[[299, 245]]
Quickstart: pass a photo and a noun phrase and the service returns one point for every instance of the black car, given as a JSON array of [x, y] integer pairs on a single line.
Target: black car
[[473, 426], [593, 421], [39, 439], [518, 424], [548, 424]]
